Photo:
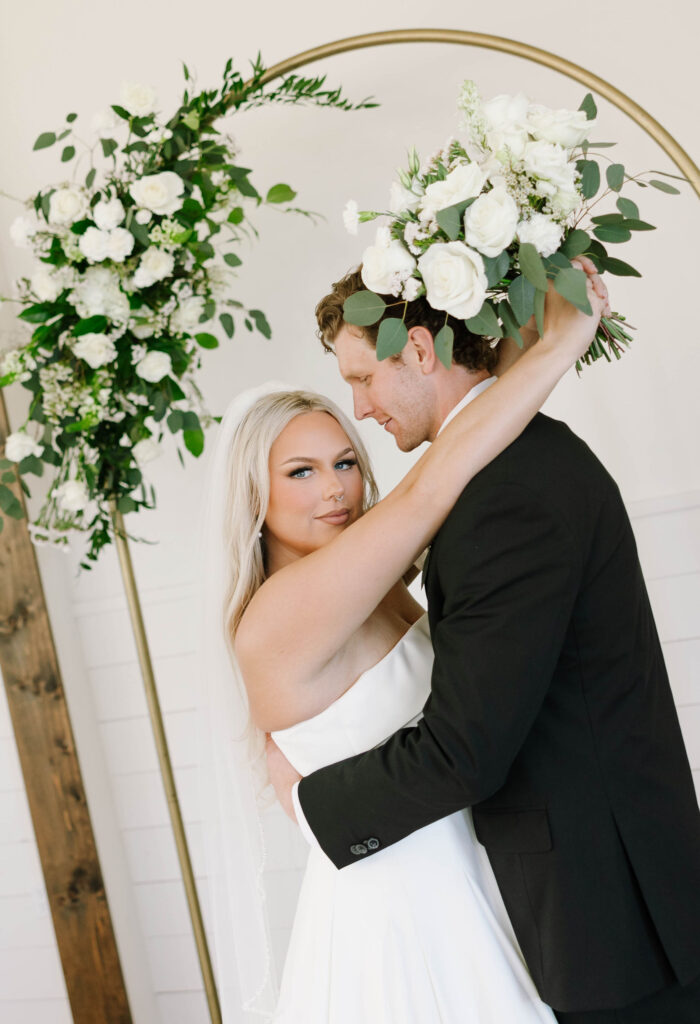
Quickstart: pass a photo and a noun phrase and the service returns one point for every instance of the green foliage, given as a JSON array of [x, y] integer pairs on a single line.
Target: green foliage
[[45, 140], [572, 285], [485, 323], [532, 266], [588, 105], [510, 323], [280, 194], [391, 337], [496, 268], [444, 342], [363, 308], [521, 294], [261, 323]]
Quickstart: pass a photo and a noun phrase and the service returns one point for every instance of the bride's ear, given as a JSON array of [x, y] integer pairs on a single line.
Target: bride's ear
[[422, 349]]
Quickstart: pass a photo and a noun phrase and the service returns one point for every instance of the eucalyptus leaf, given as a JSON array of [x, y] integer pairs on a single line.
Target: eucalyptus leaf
[[450, 218], [615, 175], [485, 323], [532, 266], [194, 441], [206, 340], [612, 233], [444, 341], [67, 154], [496, 267], [45, 140], [663, 186], [521, 295], [576, 242], [627, 208], [589, 107], [363, 308], [590, 178], [109, 146], [540, 298], [391, 337], [175, 421], [279, 194], [572, 285], [619, 268], [232, 259], [510, 324], [261, 322], [126, 504], [632, 224], [90, 177], [227, 323]]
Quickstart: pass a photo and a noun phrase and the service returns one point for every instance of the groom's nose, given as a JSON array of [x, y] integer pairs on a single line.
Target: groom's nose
[[362, 406]]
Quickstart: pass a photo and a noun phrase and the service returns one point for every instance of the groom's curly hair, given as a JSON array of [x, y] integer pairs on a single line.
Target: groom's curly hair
[[470, 350]]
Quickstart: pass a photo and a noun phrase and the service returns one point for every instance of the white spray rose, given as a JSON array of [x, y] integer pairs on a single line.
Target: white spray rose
[[72, 496], [506, 123], [94, 244], [454, 278], [22, 230], [490, 222], [139, 100], [95, 349], [154, 366], [67, 205], [464, 182], [542, 232], [159, 193], [550, 162], [120, 244], [567, 128], [104, 123], [401, 198], [108, 214], [45, 285], [155, 265], [146, 450], [19, 445], [350, 217], [188, 314], [386, 265]]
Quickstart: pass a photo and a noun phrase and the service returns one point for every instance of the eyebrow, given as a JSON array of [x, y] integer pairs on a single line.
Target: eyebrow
[[304, 458]]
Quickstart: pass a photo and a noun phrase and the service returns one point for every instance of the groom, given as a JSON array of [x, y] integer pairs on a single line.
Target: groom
[[550, 712]]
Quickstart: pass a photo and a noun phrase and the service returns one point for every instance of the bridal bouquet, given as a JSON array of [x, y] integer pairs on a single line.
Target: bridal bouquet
[[134, 256], [483, 226]]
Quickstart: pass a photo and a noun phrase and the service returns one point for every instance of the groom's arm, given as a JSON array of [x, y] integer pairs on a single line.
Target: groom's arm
[[509, 571]]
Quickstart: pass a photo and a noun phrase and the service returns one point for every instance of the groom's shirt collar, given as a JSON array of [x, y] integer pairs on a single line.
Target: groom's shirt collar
[[470, 395]]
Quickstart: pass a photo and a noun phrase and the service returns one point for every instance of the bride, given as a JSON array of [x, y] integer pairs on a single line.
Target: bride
[[331, 655]]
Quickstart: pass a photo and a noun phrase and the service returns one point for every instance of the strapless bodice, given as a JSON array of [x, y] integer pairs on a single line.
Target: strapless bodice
[[386, 697]]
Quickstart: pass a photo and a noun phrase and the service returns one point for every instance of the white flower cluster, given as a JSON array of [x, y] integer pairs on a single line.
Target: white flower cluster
[[515, 180]]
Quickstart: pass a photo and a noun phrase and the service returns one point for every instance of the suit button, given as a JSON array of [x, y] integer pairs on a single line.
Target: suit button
[[358, 849], [373, 844]]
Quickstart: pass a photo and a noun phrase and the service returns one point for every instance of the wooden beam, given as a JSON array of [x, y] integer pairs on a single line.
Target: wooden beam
[[53, 782]]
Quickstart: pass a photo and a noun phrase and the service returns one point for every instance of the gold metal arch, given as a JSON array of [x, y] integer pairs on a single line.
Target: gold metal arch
[[444, 35]]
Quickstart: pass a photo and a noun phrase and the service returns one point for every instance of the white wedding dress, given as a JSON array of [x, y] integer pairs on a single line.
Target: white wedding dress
[[417, 933]]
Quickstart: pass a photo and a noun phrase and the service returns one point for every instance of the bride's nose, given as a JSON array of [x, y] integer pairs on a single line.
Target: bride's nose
[[332, 487]]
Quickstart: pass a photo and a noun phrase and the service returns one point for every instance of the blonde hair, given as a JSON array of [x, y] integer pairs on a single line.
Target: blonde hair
[[248, 490]]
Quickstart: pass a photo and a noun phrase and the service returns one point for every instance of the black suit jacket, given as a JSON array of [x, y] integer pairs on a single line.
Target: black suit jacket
[[552, 717]]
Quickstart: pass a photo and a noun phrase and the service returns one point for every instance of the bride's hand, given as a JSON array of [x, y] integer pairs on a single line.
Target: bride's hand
[[564, 324]]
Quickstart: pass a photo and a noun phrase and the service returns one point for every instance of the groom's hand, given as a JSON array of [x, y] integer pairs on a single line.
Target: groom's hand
[[282, 776]]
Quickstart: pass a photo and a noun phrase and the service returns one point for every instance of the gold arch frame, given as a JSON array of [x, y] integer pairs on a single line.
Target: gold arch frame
[[566, 67]]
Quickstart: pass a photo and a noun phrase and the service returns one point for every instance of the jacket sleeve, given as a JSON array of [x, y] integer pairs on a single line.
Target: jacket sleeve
[[508, 571]]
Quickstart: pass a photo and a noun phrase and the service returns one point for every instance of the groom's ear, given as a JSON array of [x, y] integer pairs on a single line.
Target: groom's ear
[[423, 349]]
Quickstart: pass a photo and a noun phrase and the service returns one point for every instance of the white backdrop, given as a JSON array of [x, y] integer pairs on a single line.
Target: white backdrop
[[639, 415]]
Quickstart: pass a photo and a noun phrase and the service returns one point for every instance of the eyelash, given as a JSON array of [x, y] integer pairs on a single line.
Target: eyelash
[[307, 469]]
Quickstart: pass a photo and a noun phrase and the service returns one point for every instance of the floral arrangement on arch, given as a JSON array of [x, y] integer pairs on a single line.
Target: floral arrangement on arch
[[135, 256], [483, 226]]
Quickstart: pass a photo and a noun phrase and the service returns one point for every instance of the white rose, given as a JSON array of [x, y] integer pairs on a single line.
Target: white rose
[[454, 278], [72, 496], [120, 244], [98, 294], [542, 232], [139, 100], [108, 213], [505, 118], [565, 203], [45, 285], [188, 314], [104, 123], [490, 222], [567, 128], [67, 205], [154, 366], [95, 349], [155, 265], [22, 230], [385, 265], [350, 217], [549, 161], [143, 216], [464, 182], [19, 445], [159, 193], [94, 244], [401, 198], [146, 450]]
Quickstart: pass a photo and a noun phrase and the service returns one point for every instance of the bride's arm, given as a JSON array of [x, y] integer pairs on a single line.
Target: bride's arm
[[300, 617]]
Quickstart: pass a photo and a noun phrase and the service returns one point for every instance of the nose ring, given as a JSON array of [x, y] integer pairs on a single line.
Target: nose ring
[[339, 497]]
